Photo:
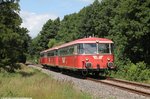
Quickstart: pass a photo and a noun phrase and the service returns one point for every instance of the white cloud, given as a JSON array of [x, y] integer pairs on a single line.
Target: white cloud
[[34, 22]]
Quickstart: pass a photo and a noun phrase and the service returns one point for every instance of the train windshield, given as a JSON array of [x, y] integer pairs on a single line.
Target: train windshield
[[105, 48], [95, 48], [90, 48]]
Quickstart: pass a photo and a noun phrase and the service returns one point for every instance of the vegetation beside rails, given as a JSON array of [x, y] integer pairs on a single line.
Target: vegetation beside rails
[[28, 82], [138, 72]]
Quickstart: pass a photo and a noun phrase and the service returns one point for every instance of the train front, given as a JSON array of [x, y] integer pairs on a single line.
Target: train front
[[97, 56]]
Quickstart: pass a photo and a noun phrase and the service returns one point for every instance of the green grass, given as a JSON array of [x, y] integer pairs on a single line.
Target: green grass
[[29, 82]]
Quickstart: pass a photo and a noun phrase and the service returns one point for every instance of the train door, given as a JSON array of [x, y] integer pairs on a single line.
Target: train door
[[75, 56], [56, 58], [45, 58]]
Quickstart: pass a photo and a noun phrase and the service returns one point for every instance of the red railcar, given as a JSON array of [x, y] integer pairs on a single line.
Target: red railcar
[[43, 58], [85, 55], [52, 56], [49, 57]]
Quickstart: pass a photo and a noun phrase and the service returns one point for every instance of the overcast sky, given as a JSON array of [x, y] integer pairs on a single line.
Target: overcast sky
[[36, 12]]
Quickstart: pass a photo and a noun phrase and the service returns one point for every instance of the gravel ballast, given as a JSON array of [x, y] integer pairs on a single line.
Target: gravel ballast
[[96, 90]]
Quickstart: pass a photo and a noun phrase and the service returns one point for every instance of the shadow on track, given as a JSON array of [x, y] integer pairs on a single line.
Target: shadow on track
[[72, 73]]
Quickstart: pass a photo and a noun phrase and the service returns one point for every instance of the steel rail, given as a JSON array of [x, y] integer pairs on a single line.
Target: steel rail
[[130, 83], [121, 87]]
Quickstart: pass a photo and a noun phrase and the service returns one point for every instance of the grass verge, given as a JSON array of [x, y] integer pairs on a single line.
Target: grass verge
[[29, 82]]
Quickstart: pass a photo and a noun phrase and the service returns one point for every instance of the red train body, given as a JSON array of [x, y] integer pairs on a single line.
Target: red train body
[[87, 54]]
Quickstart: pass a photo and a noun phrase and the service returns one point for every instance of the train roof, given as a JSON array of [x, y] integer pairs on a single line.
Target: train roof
[[83, 40], [87, 40], [50, 49]]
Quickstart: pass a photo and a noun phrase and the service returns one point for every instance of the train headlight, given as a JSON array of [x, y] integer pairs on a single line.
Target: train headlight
[[97, 41], [108, 59], [86, 59], [88, 65], [110, 65]]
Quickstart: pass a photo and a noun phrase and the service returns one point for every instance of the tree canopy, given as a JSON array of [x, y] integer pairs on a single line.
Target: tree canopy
[[13, 38]]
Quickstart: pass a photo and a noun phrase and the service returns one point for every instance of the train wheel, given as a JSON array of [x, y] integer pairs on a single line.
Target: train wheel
[[44, 66], [84, 73], [106, 73], [96, 74]]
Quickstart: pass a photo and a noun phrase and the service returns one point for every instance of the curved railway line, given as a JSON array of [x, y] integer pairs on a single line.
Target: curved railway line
[[141, 89]]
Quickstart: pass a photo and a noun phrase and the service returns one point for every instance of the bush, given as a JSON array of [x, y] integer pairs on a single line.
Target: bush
[[138, 72], [22, 58], [134, 72], [33, 59]]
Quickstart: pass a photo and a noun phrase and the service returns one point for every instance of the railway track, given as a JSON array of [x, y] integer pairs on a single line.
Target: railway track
[[140, 89], [133, 87]]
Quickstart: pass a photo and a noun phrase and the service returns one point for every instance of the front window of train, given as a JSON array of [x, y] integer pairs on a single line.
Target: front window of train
[[105, 48], [95, 48], [90, 48]]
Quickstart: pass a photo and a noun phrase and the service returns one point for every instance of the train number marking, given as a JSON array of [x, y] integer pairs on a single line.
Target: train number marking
[[63, 59], [97, 57], [100, 57]]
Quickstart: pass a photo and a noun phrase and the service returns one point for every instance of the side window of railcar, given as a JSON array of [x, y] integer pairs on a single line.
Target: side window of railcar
[[66, 51], [70, 50], [63, 52], [60, 52], [56, 53], [45, 54], [50, 53], [41, 55], [75, 49], [80, 49]]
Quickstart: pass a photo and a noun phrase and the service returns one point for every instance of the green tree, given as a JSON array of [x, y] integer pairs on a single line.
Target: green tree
[[51, 43], [131, 26], [68, 28], [90, 20], [12, 37], [45, 38], [131, 33], [49, 31]]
